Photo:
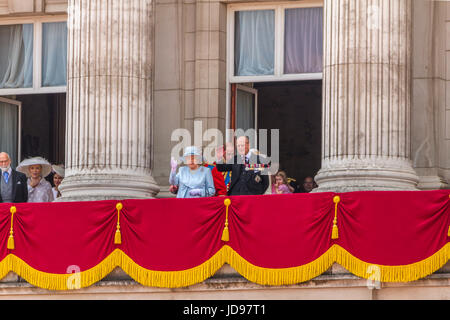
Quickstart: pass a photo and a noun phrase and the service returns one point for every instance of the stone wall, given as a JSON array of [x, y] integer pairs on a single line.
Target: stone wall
[[25, 7]]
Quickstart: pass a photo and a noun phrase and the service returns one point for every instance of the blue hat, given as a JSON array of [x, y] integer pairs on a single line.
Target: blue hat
[[192, 151]]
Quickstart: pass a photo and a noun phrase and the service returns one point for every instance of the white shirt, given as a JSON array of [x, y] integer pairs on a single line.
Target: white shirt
[[9, 173], [247, 156], [55, 192]]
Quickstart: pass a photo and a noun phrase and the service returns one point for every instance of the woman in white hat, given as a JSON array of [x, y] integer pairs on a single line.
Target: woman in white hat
[[193, 180], [36, 169], [57, 179]]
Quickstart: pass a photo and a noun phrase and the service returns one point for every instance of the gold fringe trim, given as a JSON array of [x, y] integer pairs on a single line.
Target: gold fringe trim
[[281, 276], [174, 279], [165, 279], [383, 273], [259, 275]]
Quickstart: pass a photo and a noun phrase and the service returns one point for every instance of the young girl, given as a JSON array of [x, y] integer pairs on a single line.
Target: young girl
[[280, 185], [193, 180]]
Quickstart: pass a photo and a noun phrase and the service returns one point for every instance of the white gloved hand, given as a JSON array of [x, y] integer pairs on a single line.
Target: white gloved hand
[[220, 153], [195, 192], [173, 164]]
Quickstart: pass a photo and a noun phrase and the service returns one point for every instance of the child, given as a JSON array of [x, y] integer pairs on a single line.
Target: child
[[280, 185]]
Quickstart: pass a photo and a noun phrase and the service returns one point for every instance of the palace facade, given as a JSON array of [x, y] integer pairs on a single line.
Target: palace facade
[[360, 90]]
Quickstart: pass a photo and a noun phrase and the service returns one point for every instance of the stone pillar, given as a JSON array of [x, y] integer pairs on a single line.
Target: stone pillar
[[366, 96], [109, 101], [428, 98]]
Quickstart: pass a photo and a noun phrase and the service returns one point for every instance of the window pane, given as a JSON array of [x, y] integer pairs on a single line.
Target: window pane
[[8, 130], [16, 56], [254, 43], [245, 110], [54, 54], [303, 43]]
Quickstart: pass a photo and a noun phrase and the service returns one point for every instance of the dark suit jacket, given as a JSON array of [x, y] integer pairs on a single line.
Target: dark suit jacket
[[254, 185], [20, 188]]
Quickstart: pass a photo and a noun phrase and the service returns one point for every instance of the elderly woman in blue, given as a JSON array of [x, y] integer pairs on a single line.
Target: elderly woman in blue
[[193, 180]]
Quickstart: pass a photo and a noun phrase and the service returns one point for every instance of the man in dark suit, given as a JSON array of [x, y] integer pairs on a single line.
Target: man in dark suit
[[13, 184], [244, 180]]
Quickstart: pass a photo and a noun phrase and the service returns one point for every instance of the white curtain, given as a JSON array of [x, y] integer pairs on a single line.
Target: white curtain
[[16, 56], [245, 111], [303, 40], [254, 42], [54, 54], [8, 130]]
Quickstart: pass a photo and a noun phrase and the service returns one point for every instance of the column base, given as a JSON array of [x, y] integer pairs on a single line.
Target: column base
[[165, 193], [432, 183], [107, 186], [371, 174]]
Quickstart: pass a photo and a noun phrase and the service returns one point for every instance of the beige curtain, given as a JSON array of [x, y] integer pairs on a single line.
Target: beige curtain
[[8, 130]]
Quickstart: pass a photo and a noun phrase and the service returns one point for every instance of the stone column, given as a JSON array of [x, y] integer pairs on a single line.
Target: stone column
[[366, 96], [109, 101]]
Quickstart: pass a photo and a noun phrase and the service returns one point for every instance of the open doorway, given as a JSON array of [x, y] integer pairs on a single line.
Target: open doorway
[[43, 126], [295, 108], [37, 124]]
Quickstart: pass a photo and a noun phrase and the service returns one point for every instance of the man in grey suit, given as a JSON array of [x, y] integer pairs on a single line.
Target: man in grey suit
[[13, 184]]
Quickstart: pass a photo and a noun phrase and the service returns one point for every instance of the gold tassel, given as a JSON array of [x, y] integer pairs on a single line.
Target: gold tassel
[[226, 233], [10, 244], [335, 231], [118, 236]]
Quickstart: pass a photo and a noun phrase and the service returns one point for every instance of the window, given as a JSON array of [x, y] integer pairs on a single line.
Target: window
[[254, 42], [10, 129], [33, 56], [54, 54], [16, 56], [275, 42], [303, 40]]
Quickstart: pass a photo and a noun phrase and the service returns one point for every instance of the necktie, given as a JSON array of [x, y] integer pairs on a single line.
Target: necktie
[[6, 176]]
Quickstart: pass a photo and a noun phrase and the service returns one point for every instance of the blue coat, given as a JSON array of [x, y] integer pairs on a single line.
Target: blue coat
[[187, 180]]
